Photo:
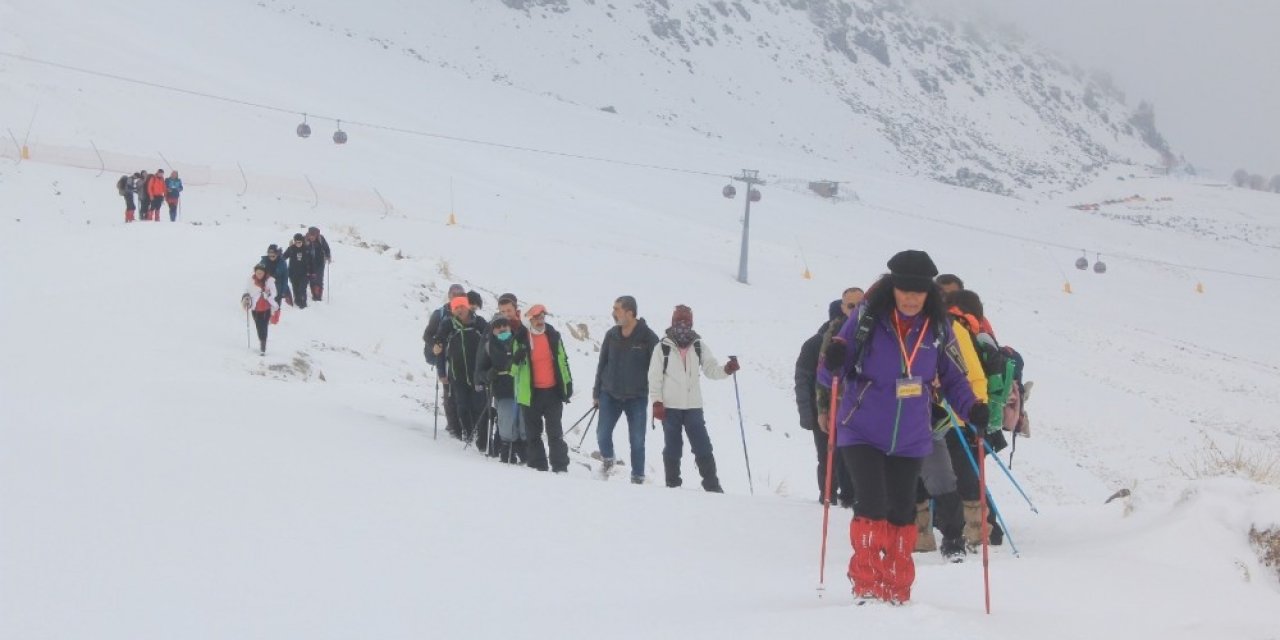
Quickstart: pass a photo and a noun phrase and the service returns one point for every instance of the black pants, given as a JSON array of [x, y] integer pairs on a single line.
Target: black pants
[[841, 480], [966, 477], [545, 412], [128, 202], [299, 285], [262, 320], [144, 205], [884, 486], [155, 207], [470, 406]]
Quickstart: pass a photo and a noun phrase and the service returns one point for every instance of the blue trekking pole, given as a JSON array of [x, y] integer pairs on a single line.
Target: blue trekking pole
[[990, 499], [743, 430]]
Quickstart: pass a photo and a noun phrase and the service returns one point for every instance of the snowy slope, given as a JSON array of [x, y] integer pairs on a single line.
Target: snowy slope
[[157, 479]]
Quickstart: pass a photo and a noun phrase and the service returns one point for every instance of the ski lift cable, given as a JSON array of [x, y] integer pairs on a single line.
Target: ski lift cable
[[368, 125]]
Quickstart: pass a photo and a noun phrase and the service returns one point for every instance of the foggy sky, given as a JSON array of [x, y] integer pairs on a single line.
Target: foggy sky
[[1211, 67]]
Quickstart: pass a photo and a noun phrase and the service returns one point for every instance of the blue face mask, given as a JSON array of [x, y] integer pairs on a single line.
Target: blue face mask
[[504, 335]]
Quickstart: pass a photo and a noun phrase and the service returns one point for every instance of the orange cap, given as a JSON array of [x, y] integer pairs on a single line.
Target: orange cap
[[458, 303], [535, 310]]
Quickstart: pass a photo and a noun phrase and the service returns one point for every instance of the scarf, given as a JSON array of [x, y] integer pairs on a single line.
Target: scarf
[[682, 335]]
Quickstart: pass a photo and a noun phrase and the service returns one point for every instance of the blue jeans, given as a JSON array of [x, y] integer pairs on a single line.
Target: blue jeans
[[611, 409], [689, 421]]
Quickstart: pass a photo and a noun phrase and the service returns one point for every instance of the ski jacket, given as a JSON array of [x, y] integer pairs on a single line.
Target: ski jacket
[[870, 411], [299, 261], [822, 393], [680, 387], [524, 370], [173, 187], [623, 371], [254, 293], [155, 186], [461, 347], [278, 270], [320, 255], [972, 363], [807, 379], [494, 368], [139, 184]]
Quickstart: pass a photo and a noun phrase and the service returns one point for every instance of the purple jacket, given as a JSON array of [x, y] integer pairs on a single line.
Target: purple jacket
[[869, 412]]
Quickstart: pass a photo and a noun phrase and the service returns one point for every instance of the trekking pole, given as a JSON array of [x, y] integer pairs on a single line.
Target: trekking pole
[[983, 528], [743, 430], [435, 431], [990, 499], [247, 343], [590, 412], [579, 421], [475, 426], [493, 426], [826, 494]]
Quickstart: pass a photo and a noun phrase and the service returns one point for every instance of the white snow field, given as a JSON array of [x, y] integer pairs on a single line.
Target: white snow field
[[159, 479]]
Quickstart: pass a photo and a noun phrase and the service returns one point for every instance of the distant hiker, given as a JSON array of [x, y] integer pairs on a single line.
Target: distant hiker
[[260, 299], [156, 191], [299, 261], [278, 269], [172, 192], [125, 189], [543, 386], [494, 370], [675, 389], [815, 418], [622, 384], [883, 421], [140, 187], [462, 334], [320, 258], [849, 299], [434, 337], [949, 283]]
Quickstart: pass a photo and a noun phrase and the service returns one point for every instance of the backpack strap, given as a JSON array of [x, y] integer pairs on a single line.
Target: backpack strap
[[666, 354]]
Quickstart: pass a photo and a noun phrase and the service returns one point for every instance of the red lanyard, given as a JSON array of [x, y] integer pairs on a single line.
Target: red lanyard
[[907, 360]]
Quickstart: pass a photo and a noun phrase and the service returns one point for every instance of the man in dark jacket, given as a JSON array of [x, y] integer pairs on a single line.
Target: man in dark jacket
[[463, 334], [433, 346], [543, 386], [318, 246], [299, 266], [622, 384], [806, 401], [276, 268]]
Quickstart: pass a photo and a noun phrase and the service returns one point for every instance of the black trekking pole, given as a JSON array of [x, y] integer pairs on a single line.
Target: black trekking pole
[[743, 430], [591, 412], [492, 450], [247, 343], [435, 431], [475, 426]]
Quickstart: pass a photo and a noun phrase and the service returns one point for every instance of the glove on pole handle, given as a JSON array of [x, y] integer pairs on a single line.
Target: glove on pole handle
[[435, 431], [826, 494]]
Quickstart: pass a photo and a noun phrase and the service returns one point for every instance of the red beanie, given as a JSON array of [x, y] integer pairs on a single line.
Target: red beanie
[[682, 314]]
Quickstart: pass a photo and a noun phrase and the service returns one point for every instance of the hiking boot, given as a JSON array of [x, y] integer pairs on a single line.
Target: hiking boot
[[953, 549], [637, 479], [925, 543], [973, 524]]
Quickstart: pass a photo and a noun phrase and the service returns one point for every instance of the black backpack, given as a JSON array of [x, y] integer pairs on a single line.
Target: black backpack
[[122, 185]]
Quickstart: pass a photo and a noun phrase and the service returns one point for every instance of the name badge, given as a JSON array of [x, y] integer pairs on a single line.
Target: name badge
[[910, 387]]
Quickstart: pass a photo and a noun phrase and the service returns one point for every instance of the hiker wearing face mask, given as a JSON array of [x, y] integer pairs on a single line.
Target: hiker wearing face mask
[[675, 389], [494, 368]]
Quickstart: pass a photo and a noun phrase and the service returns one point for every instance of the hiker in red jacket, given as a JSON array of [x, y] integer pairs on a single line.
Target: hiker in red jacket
[[156, 191]]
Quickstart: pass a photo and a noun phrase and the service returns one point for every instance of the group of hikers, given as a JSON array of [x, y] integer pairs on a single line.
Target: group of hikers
[[152, 190], [286, 277], [906, 373], [506, 380]]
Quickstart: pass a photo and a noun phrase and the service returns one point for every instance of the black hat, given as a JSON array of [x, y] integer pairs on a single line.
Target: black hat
[[298, 236], [912, 270], [273, 249], [499, 320], [835, 310]]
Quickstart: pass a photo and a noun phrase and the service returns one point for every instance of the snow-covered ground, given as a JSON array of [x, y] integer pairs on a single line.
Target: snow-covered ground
[[158, 479]]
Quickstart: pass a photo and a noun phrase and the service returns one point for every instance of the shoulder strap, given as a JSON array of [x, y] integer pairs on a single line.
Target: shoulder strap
[[666, 355]]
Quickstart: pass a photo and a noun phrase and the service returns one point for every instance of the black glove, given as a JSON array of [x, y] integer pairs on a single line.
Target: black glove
[[520, 357], [980, 416], [835, 354], [997, 441]]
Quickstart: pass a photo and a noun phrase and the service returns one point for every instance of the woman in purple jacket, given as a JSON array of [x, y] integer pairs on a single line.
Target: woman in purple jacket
[[894, 346]]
